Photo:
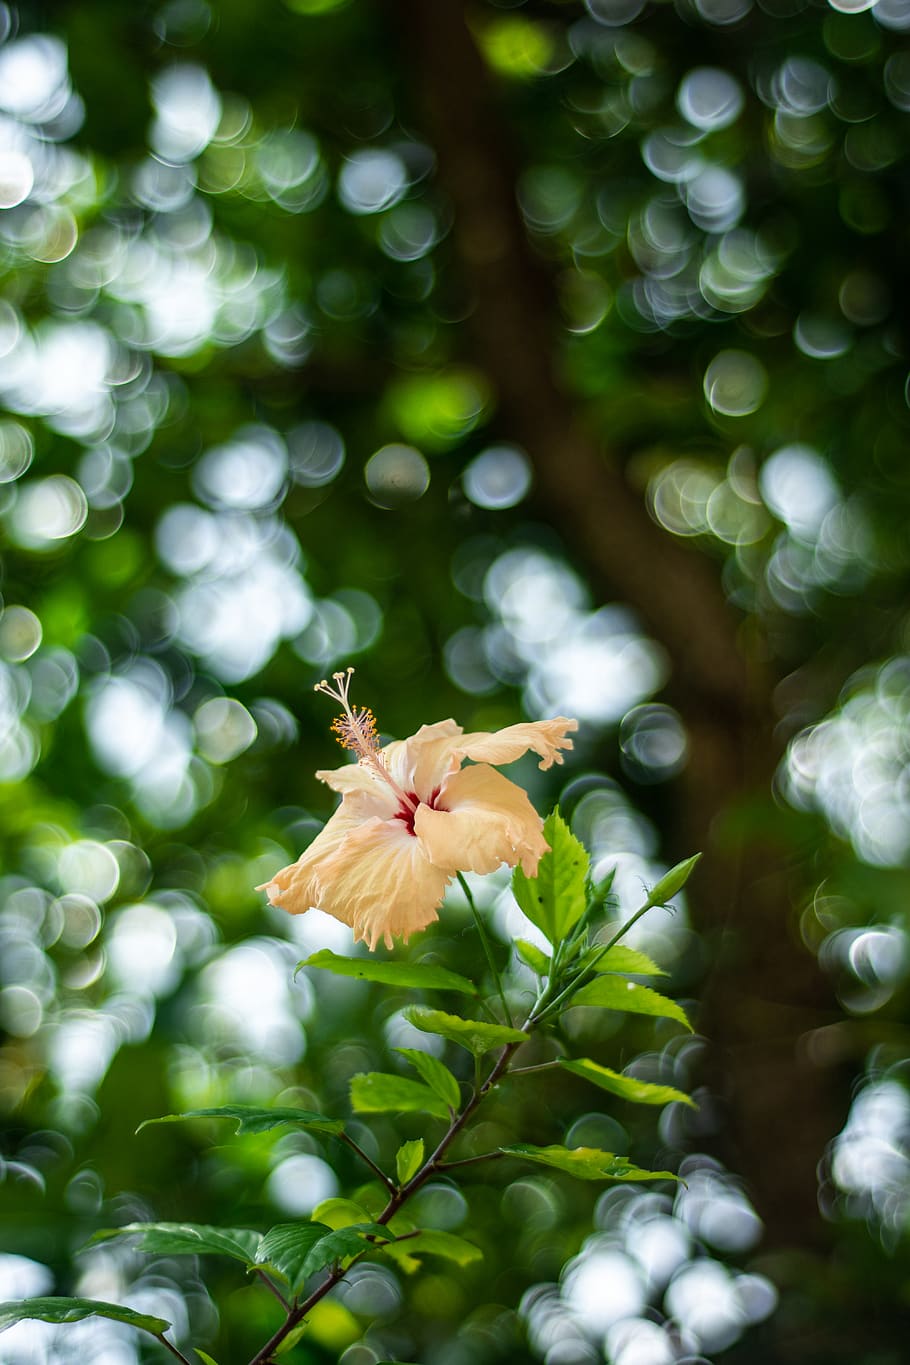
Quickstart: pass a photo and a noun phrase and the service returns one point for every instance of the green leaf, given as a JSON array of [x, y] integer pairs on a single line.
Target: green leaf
[[427, 977], [556, 898], [205, 1357], [408, 1160], [285, 1248], [297, 1250], [340, 1213], [436, 1074], [629, 961], [293, 1337], [175, 1239], [616, 993], [628, 1087], [586, 1163], [251, 1119], [74, 1310], [378, 1092], [399, 1253], [673, 881], [532, 956], [476, 1036], [433, 1242]]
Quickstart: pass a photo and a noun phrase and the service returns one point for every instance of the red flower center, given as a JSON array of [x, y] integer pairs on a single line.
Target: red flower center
[[406, 814]]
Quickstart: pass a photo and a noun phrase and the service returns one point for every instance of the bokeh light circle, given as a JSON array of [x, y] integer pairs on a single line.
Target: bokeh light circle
[[723, 13], [372, 180], [224, 728], [653, 742], [17, 176], [48, 511], [497, 478], [614, 13], [315, 453], [16, 451], [20, 634], [709, 98], [735, 383], [396, 474]]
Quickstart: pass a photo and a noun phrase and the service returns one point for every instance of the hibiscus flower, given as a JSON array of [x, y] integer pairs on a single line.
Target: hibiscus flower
[[411, 817]]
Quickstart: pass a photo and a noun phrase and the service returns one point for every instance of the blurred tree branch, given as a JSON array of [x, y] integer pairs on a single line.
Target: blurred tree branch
[[766, 992]]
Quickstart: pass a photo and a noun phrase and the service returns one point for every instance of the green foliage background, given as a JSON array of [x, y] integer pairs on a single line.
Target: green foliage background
[[239, 241]]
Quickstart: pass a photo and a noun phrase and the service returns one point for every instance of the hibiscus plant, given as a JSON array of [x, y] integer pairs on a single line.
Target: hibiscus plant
[[412, 819]]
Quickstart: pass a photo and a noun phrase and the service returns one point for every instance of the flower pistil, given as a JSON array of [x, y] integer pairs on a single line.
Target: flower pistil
[[355, 729]]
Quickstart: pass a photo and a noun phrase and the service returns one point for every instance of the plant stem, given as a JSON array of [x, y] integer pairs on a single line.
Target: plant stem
[[270, 1284], [455, 1127], [624, 928], [296, 1314], [486, 947], [526, 1070], [468, 1160], [399, 1197], [171, 1347], [590, 970], [368, 1160]]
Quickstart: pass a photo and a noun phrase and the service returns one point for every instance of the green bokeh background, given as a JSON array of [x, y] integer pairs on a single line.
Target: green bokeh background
[[627, 283]]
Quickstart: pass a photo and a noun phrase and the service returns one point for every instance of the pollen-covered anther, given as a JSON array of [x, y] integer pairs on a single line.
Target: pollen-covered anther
[[356, 730]]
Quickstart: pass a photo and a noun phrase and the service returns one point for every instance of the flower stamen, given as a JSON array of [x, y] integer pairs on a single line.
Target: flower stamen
[[356, 730]]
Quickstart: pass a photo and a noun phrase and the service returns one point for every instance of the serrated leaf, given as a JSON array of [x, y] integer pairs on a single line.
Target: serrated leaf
[[616, 993], [285, 1248], [298, 1250], [250, 1118], [475, 1035], [557, 897], [408, 1160], [673, 881], [627, 1087], [340, 1213], [422, 975], [379, 1092], [75, 1310], [176, 1239], [532, 956], [436, 1074], [585, 1163], [629, 961]]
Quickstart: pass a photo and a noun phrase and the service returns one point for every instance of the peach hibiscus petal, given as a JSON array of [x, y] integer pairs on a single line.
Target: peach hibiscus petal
[[545, 737], [481, 820], [422, 763], [411, 817], [296, 887], [380, 882], [362, 779]]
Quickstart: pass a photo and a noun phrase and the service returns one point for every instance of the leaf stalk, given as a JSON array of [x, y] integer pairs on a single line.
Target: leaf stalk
[[367, 1160], [487, 948]]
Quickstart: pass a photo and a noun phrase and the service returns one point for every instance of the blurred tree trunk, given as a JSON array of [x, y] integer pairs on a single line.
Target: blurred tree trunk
[[765, 993]]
